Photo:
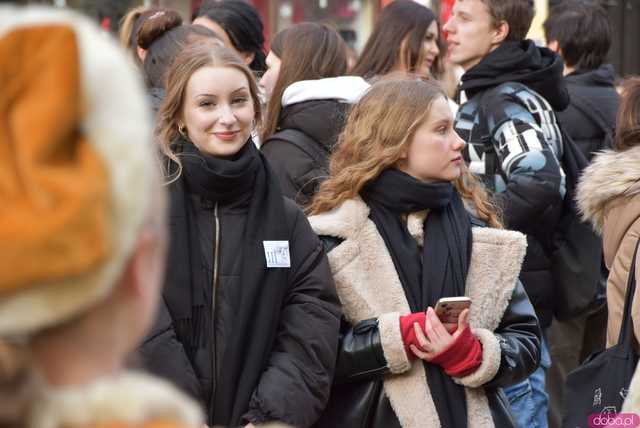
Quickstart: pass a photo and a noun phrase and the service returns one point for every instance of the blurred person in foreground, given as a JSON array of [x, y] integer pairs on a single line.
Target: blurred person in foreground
[[84, 240]]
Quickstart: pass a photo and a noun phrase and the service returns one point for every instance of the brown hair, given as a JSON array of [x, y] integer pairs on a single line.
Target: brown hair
[[308, 51], [377, 132], [628, 120], [518, 14], [192, 58], [128, 30], [399, 21], [17, 384]]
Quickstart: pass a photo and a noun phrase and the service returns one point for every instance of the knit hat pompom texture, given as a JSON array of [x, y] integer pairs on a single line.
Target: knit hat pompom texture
[[76, 165]]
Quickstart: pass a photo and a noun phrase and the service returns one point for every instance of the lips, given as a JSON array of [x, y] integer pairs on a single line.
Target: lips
[[457, 160], [227, 135]]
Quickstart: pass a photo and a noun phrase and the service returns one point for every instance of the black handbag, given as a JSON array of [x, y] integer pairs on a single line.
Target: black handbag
[[600, 384]]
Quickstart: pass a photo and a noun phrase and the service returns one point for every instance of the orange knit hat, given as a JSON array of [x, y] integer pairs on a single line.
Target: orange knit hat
[[76, 166]]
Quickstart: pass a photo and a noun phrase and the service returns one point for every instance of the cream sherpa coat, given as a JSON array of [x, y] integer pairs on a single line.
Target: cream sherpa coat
[[369, 287]]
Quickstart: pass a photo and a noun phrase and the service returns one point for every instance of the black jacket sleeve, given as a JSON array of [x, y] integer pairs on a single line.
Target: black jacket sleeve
[[360, 354], [295, 387], [528, 164], [297, 172], [163, 355], [520, 338]]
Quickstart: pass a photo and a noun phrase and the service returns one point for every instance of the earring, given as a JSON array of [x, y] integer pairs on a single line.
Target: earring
[[182, 130]]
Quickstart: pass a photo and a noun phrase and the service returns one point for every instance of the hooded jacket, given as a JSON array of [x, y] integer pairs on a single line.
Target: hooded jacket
[[597, 88], [609, 197], [376, 385], [317, 109], [513, 145]]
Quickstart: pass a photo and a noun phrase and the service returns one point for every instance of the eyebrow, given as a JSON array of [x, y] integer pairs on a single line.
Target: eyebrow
[[442, 122], [215, 96]]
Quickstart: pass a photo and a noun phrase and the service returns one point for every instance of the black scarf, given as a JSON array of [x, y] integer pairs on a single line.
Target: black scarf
[[246, 177], [439, 271]]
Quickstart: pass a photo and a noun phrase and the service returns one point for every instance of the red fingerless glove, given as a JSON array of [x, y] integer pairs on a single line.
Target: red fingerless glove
[[408, 332], [462, 357]]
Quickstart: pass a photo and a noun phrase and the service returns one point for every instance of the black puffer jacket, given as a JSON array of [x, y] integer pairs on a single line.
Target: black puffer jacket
[[302, 360], [514, 144], [317, 111], [596, 89]]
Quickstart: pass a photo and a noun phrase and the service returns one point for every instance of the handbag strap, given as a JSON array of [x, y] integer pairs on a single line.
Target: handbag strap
[[626, 332]]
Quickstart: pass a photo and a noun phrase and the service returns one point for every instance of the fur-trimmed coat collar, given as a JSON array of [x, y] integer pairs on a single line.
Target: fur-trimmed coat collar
[[369, 287], [609, 195], [610, 177], [130, 399]]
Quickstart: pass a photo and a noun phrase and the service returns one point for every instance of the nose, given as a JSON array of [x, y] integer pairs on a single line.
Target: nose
[[458, 143], [435, 50], [226, 115], [448, 26]]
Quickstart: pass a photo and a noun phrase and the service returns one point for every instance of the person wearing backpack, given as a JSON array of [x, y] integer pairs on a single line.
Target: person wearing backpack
[[309, 98], [580, 33], [513, 89]]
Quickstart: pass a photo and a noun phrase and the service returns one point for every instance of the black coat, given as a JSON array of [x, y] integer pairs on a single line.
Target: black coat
[[514, 145], [300, 167], [597, 87], [303, 358]]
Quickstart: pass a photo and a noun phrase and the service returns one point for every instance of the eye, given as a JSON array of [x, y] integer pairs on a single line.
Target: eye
[[206, 104], [443, 130], [240, 100]]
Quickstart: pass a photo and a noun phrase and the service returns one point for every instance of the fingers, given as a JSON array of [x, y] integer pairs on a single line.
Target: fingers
[[418, 353], [463, 319], [434, 328], [422, 339]]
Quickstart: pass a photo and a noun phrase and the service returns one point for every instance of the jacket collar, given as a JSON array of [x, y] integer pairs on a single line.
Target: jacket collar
[[346, 89], [610, 177]]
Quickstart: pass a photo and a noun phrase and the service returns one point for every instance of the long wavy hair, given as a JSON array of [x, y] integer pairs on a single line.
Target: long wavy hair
[[378, 131], [191, 59]]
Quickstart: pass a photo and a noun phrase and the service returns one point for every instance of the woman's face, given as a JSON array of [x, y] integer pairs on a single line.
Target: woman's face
[[435, 151], [247, 57], [269, 78], [218, 110], [430, 49]]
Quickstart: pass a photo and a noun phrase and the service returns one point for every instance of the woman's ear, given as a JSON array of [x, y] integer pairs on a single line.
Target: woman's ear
[[142, 53], [247, 57]]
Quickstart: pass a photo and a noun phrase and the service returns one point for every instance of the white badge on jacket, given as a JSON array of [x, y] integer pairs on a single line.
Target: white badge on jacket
[[277, 254]]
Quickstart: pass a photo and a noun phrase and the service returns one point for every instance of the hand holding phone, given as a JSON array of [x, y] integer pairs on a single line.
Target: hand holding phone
[[448, 310]]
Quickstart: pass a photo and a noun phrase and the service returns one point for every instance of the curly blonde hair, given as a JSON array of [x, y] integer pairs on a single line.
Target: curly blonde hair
[[378, 131]]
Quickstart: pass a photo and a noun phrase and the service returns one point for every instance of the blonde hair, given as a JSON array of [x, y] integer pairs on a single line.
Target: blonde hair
[[378, 131], [192, 58]]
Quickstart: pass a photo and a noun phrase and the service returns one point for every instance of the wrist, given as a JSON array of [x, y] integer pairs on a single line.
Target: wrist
[[408, 332], [462, 357]]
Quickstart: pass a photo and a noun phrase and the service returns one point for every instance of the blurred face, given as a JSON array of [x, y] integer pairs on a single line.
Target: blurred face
[[270, 76], [435, 152], [430, 49], [218, 110], [471, 34]]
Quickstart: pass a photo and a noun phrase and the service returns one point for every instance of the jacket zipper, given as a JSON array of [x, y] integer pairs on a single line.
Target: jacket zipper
[[216, 258]]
